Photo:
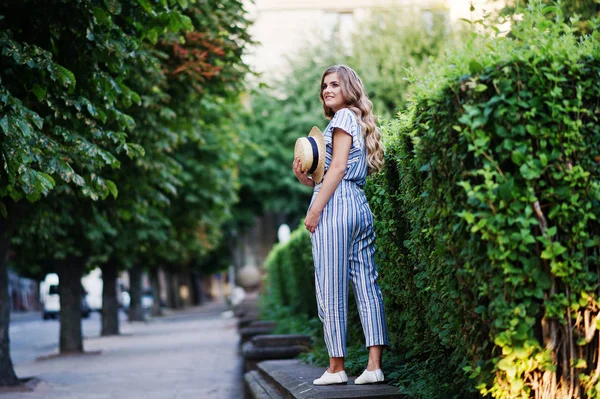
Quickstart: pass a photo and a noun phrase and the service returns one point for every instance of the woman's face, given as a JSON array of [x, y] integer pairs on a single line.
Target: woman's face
[[332, 92]]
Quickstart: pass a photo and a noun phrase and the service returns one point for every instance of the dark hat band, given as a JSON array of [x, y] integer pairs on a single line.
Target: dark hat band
[[315, 149]]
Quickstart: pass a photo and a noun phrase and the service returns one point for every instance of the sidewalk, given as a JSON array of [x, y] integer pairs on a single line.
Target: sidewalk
[[188, 354], [16, 316]]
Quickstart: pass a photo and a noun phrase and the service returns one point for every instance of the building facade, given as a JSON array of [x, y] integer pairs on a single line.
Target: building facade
[[282, 28]]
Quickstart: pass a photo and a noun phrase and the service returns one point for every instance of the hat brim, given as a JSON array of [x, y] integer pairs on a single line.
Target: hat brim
[[317, 175], [303, 151]]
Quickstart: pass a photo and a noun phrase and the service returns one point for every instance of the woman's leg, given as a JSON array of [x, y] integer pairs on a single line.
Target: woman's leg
[[336, 364], [375, 353], [363, 274], [331, 246], [373, 374]]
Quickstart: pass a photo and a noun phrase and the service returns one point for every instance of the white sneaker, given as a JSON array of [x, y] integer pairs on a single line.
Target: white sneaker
[[370, 377], [332, 378]]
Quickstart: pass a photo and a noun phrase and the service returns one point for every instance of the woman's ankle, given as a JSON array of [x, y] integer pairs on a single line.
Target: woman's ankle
[[336, 364], [373, 367]]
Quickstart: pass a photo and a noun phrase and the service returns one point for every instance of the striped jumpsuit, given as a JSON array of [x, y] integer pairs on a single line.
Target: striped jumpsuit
[[343, 246]]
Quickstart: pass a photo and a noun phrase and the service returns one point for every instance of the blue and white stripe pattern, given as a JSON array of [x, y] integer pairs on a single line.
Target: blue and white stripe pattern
[[344, 248]]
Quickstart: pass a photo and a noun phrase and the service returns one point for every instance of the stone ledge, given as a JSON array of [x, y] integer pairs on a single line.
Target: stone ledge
[[263, 323], [275, 340], [257, 388], [294, 380], [248, 332], [252, 352], [245, 322], [27, 385]]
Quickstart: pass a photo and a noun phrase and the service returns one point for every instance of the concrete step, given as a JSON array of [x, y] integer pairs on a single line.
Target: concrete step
[[293, 379], [271, 347], [274, 340], [253, 352], [258, 388], [247, 333]]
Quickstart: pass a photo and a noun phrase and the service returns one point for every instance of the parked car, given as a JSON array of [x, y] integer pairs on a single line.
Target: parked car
[[147, 299], [49, 297], [51, 300], [124, 298]]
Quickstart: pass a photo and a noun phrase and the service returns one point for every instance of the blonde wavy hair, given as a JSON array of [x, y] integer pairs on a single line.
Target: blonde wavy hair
[[357, 100]]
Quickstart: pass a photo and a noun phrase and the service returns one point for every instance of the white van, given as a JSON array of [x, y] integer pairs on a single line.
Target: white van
[[92, 284], [49, 296], [51, 301]]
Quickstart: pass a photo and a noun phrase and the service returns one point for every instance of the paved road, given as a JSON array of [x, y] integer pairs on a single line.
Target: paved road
[[189, 354], [31, 337]]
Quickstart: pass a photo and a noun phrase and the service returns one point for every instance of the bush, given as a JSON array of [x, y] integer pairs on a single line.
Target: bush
[[493, 187], [487, 220], [290, 288]]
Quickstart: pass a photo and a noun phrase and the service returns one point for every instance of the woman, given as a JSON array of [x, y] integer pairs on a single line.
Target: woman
[[341, 224]]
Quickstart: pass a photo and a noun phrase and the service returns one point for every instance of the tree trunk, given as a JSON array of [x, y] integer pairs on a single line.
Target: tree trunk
[[70, 291], [155, 282], [7, 372], [178, 303], [136, 313], [198, 292], [172, 290], [110, 304]]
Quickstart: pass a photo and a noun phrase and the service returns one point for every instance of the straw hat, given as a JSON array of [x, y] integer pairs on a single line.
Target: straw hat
[[311, 151]]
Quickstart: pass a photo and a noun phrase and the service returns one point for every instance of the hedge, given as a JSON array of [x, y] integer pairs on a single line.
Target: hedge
[[487, 220], [290, 278], [497, 162]]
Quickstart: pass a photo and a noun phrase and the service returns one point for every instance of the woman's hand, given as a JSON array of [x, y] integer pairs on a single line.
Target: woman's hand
[[300, 175], [312, 220]]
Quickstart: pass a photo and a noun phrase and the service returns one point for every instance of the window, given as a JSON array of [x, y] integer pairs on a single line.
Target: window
[[432, 19], [339, 25]]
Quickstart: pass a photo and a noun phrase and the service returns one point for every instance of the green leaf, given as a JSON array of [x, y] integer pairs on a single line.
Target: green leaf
[[475, 67], [39, 92], [146, 6], [112, 187], [92, 110], [152, 36], [101, 16], [549, 9], [66, 77], [468, 216], [24, 127], [187, 24], [4, 123], [46, 182], [529, 171]]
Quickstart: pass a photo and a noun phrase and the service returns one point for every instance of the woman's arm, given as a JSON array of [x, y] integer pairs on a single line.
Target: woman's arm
[[342, 143]]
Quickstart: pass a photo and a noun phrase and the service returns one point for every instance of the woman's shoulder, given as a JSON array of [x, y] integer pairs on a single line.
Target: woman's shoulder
[[345, 113], [344, 117]]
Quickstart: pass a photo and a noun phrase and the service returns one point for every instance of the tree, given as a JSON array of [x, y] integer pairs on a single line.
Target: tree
[[204, 75], [391, 48], [62, 98], [209, 73], [586, 12]]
